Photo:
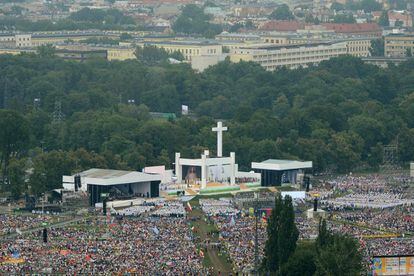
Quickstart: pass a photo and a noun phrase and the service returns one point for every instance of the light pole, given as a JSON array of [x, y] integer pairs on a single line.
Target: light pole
[[256, 238]]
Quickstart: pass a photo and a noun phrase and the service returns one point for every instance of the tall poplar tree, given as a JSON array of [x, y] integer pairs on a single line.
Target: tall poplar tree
[[282, 235], [288, 232]]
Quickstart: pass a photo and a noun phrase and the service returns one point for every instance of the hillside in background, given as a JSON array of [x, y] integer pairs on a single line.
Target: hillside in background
[[339, 114]]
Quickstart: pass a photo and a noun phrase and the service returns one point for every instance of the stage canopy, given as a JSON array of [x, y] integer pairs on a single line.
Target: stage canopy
[[114, 182], [274, 172]]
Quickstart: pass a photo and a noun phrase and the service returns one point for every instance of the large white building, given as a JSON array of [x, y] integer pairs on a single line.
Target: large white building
[[16, 40], [273, 57], [189, 49]]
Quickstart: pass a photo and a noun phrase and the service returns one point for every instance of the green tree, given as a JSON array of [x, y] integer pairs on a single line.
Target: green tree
[[125, 36], [377, 47], [17, 177], [337, 6], [150, 55], [301, 263], [340, 256], [193, 20], [282, 13], [46, 51], [271, 256], [336, 254], [282, 235], [383, 20], [288, 232], [48, 169], [398, 23], [323, 234], [344, 18], [14, 136]]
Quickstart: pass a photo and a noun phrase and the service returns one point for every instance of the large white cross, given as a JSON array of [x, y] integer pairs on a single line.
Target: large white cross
[[219, 129]]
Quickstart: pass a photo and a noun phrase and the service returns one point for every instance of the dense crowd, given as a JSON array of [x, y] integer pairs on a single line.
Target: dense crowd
[[154, 237], [135, 210], [389, 246], [214, 207], [170, 209], [149, 246], [376, 209], [237, 232], [9, 223], [238, 235], [394, 220], [368, 200]]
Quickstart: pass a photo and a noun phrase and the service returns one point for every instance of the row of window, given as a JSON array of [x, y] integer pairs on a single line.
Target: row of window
[[184, 51], [399, 42], [397, 47], [299, 59], [362, 48], [311, 53]]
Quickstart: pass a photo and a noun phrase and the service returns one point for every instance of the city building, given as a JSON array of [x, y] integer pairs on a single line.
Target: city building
[[400, 19], [188, 49], [81, 55], [120, 53], [398, 45], [292, 56], [225, 36], [358, 47], [11, 40], [52, 38], [384, 62], [355, 29]]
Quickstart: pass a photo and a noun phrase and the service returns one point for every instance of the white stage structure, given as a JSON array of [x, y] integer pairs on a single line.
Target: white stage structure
[[273, 170], [99, 181], [216, 169]]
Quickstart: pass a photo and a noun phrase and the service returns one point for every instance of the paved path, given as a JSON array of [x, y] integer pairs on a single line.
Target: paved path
[[55, 225], [219, 263]]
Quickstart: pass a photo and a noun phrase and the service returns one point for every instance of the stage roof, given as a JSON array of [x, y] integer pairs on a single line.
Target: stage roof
[[112, 177], [281, 165]]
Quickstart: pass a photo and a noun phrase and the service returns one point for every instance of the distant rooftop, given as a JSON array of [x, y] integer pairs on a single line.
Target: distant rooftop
[[183, 42], [103, 173], [112, 177]]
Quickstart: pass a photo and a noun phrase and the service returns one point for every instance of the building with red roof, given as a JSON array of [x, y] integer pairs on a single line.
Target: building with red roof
[[360, 29]]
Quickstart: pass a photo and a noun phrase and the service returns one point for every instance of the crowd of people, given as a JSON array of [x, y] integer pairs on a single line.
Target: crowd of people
[[155, 237], [237, 232], [375, 209], [389, 246], [10, 222], [149, 246], [135, 210], [368, 200], [238, 235], [170, 209], [398, 220], [215, 207]]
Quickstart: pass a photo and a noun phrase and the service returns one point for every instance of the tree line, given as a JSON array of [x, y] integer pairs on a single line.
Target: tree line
[[339, 114]]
